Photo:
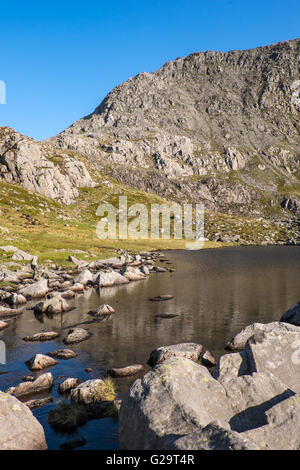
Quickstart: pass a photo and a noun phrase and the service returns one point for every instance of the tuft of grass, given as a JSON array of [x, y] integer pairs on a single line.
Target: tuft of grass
[[106, 390], [68, 416]]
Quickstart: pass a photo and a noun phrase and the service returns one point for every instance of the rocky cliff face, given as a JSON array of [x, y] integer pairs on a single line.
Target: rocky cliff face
[[40, 169], [218, 127]]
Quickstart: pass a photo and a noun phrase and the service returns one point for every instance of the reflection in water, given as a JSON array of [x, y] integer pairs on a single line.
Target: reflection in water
[[216, 294]]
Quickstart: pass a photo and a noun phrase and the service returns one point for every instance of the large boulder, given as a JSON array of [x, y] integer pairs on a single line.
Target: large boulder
[[281, 430], [292, 315], [19, 429], [250, 396], [175, 398], [231, 365], [276, 351], [176, 404], [239, 341], [211, 437], [188, 350], [35, 290]]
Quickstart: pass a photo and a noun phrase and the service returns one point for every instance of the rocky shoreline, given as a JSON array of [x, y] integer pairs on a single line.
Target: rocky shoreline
[[49, 290], [248, 399]]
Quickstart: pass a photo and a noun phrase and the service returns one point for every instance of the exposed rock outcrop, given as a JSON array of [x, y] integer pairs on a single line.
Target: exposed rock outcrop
[[43, 170], [206, 115], [250, 402]]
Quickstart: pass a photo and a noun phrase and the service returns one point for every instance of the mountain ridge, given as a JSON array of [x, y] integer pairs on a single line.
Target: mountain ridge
[[218, 128], [210, 116]]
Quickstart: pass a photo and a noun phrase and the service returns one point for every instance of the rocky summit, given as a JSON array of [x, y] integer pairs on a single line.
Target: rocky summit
[[221, 128]]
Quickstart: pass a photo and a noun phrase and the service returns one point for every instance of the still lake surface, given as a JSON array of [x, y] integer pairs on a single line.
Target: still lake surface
[[216, 294]]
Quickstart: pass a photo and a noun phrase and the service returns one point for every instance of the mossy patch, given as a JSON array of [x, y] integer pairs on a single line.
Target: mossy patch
[[67, 417]]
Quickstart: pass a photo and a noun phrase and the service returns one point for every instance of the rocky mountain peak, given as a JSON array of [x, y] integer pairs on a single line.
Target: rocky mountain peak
[[201, 127]]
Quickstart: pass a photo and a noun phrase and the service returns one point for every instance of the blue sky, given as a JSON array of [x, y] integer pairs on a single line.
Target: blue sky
[[59, 59]]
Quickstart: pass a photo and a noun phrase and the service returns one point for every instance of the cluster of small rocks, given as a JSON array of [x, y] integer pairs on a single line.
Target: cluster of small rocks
[[48, 289], [59, 285]]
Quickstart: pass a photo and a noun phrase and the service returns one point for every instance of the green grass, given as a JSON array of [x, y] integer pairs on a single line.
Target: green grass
[[42, 226]]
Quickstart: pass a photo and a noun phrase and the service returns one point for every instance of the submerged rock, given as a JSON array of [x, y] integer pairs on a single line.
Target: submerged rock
[[127, 371], [166, 315], [33, 404], [161, 297], [62, 354], [19, 429], [43, 336], [74, 443], [159, 269]]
